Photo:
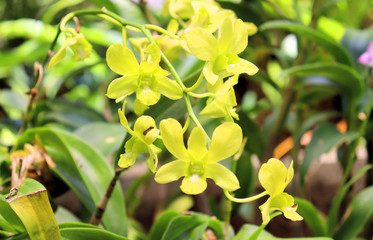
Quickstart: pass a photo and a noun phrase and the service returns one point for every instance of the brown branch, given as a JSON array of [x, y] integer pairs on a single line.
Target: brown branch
[[101, 207]]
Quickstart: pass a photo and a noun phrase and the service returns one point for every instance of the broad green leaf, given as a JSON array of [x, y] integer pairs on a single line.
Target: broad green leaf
[[255, 141], [63, 215], [324, 138], [185, 224], [345, 77], [88, 234], [71, 114], [12, 99], [83, 231], [248, 230], [84, 170], [337, 200], [10, 216], [311, 217], [161, 224], [361, 210], [103, 136], [98, 173], [328, 43], [32, 206]]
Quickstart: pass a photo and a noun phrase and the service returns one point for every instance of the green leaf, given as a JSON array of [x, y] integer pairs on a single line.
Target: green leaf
[[10, 216], [361, 210], [255, 141], [161, 224], [184, 224], [84, 170], [345, 77], [83, 231], [12, 99], [32, 206], [311, 217], [328, 43], [325, 137], [63, 215], [248, 230], [71, 114], [337, 200], [88, 233], [103, 136]]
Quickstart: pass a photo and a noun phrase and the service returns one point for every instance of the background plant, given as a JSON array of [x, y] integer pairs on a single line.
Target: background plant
[[285, 99]]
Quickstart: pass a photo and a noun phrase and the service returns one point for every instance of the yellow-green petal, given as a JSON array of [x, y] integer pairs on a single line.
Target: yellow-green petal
[[57, 57], [201, 43], [290, 174], [139, 107], [169, 88], [226, 140], [143, 126], [82, 48], [243, 66], [197, 143], [122, 87], [264, 208], [226, 36], [171, 171], [126, 160], [272, 176], [147, 96], [152, 160], [240, 39], [154, 52], [172, 136], [194, 184], [222, 176], [121, 60], [209, 74]]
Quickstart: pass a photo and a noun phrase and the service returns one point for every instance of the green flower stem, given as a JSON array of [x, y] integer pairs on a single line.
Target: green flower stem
[[196, 84], [186, 125], [244, 200], [192, 115], [228, 203], [201, 95], [161, 30]]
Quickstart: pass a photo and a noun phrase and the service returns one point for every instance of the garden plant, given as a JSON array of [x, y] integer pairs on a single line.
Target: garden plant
[[186, 119]]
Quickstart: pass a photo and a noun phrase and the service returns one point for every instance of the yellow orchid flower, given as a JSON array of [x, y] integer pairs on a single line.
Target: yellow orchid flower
[[197, 163], [274, 177]]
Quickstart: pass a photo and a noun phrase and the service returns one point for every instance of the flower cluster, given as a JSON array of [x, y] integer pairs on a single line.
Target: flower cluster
[[216, 37]]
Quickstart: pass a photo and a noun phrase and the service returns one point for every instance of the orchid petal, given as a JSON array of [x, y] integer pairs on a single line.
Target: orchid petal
[[201, 43], [171, 171], [197, 143], [226, 140], [222, 176], [194, 184], [122, 87], [121, 60], [172, 136]]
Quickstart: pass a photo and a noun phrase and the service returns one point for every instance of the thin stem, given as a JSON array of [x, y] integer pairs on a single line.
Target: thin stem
[[196, 84], [352, 147], [186, 125], [161, 30], [201, 95], [192, 115], [244, 200], [101, 207]]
